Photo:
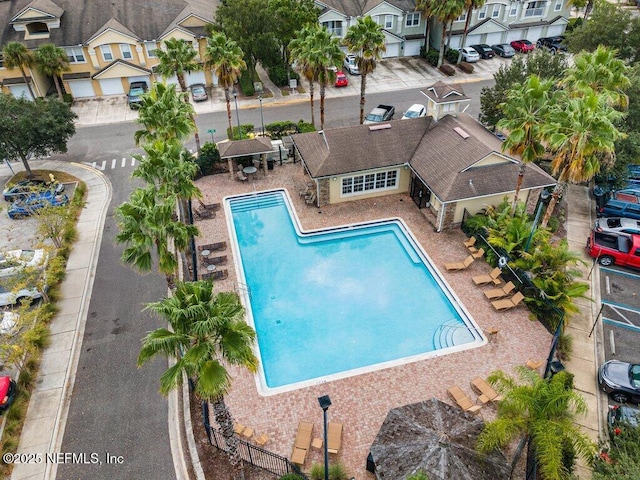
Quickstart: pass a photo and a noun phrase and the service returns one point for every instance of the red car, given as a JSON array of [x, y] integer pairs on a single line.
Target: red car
[[523, 46], [7, 393], [341, 79]]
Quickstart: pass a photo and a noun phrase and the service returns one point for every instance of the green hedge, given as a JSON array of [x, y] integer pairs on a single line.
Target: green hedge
[[209, 160], [245, 129], [246, 85], [452, 55]]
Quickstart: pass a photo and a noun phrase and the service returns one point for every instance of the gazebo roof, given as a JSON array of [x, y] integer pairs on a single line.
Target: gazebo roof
[[241, 148]]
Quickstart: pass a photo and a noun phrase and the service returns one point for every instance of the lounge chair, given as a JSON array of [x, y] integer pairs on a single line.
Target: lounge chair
[[238, 428], [492, 277], [247, 432], [241, 176], [533, 364], [222, 260], [213, 247], [496, 293], [478, 254], [460, 265], [334, 437], [508, 303], [486, 391], [463, 401], [212, 207], [204, 213], [217, 275], [470, 242], [261, 439], [302, 443]]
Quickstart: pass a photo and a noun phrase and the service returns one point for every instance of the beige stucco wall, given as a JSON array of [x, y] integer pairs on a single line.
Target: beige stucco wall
[[335, 189], [193, 21], [492, 159], [110, 37], [121, 71], [477, 204]]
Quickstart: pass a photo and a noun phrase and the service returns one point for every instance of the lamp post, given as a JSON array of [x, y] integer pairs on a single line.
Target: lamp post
[[261, 117], [235, 99], [325, 403], [544, 195]]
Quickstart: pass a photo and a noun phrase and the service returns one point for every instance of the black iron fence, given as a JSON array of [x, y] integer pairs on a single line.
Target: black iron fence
[[249, 453]]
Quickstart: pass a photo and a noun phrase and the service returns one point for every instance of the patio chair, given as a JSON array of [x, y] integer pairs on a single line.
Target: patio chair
[[204, 213], [334, 437], [533, 364], [261, 439], [463, 401], [485, 390], [211, 207], [496, 293], [508, 303], [310, 200], [470, 242], [460, 265], [478, 254], [222, 260], [217, 275], [247, 432], [302, 443], [241, 176], [493, 276], [213, 247], [238, 428]]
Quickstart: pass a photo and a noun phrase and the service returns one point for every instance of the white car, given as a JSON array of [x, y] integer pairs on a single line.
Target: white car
[[350, 64], [8, 325], [13, 260], [414, 111], [9, 296], [470, 55], [618, 225]]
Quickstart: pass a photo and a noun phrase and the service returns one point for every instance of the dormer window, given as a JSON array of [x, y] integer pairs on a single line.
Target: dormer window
[[37, 28]]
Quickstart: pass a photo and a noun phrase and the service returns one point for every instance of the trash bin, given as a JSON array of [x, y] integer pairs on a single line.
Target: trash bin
[[270, 163], [601, 196], [556, 367], [371, 466]]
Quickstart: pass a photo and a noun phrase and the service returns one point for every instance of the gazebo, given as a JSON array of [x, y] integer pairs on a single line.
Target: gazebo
[[231, 150]]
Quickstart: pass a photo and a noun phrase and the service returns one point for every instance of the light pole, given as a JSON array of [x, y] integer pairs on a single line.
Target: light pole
[[325, 403], [261, 117], [544, 195], [235, 99]]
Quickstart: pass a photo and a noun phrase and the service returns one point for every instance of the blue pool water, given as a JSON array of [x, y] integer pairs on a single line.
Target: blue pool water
[[336, 302]]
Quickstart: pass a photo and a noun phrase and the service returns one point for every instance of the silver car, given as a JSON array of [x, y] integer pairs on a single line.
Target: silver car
[[618, 225]]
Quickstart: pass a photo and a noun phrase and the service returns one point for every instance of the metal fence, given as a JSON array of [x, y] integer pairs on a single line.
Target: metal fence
[[250, 453]]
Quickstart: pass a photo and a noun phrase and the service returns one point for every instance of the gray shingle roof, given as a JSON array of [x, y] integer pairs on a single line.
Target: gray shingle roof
[[357, 8], [441, 92]]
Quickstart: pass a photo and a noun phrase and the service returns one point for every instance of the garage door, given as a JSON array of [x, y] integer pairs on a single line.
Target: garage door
[[20, 91], [533, 34], [141, 78], [393, 50], [412, 48], [514, 35], [111, 86], [455, 41], [82, 88], [195, 77], [473, 40], [554, 30], [493, 38]]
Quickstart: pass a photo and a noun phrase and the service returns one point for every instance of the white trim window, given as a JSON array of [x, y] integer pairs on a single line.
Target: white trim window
[[558, 5], [448, 107], [151, 48], [482, 13], [513, 10], [496, 11], [535, 9], [369, 182], [462, 17], [75, 54], [107, 54], [125, 50], [388, 21], [412, 20], [334, 27]]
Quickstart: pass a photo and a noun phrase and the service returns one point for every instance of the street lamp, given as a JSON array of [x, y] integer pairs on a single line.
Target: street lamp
[[235, 99], [544, 195], [261, 117], [325, 403]]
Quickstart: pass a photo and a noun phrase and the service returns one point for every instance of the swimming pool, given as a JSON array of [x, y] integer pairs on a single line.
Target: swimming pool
[[338, 302]]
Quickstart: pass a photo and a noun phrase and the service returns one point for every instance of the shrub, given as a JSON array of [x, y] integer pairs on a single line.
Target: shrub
[[432, 56], [466, 67], [447, 70], [67, 98], [304, 127], [337, 472], [246, 84], [244, 132], [317, 472], [278, 75], [452, 55], [278, 130], [209, 160]]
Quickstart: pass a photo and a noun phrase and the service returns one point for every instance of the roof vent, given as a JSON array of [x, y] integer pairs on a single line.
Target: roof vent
[[461, 132], [379, 126], [321, 132]]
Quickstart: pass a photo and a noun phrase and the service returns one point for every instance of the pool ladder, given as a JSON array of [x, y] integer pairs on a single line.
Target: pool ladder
[[243, 288]]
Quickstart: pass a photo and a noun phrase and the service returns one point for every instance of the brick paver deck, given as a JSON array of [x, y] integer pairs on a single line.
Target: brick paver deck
[[362, 402]]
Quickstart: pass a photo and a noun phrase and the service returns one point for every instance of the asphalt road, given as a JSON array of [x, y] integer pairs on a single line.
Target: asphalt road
[[115, 407]]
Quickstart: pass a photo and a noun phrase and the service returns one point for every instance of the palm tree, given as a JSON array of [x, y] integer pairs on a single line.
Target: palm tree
[[541, 411], [445, 12], [146, 223], [426, 9], [601, 71], [16, 55], [207, 333], [52, 61], [226, 59], [366, 40], [524, 118], [164, 115], [581, 133], [325, 57], [301, 51], [178, 59], [471, 6]]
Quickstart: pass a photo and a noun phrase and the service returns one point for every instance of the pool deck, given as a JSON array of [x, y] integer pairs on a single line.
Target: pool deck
[[361, 403]]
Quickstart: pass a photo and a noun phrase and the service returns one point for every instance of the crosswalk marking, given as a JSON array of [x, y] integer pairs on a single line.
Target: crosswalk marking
[[114, 163]]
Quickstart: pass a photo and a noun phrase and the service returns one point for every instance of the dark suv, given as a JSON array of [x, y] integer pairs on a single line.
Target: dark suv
[[136, 89], [617, 208], [554, 44]]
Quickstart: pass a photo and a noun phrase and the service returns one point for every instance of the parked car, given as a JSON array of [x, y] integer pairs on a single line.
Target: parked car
[[503, 50], [381, 113], [8, 391], [10, 296], [24, 188], [34, 202], [621, 380], [136, 90], [13, 260], [618, 225], [8, 323], [623, 414], [614, 248], [199, 92], [341, 79], [351, 65], [618, 208], [484, 50], [414, 111], [523, 46], [553, 44], [631, 195], [470, 55]]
